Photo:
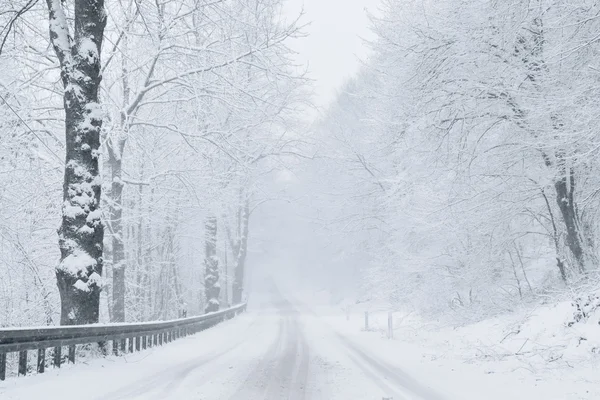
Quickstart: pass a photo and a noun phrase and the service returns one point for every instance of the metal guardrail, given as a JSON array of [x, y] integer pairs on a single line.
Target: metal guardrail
[[125, 338]]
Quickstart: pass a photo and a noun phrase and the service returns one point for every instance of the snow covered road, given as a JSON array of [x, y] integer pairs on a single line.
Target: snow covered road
[[275, 351]]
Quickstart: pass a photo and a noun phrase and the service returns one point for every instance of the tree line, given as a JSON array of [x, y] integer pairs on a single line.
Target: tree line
[[465, 154], [148, 127]]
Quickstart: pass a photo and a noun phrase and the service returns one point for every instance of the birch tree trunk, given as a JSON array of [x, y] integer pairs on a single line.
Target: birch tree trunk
[[211, 263], [81, 231]]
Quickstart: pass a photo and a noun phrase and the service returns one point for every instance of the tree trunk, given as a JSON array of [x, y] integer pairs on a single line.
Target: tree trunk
[[81, 231], [565, 186], [116, 146], [240, 264], [211, 263], [555, 239], [116, 214]]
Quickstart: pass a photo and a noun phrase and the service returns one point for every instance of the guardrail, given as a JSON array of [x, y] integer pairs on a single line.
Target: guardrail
[[125, 338]]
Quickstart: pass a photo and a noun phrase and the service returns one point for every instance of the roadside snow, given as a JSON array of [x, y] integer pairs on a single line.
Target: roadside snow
[[103, 378], [532, 354]]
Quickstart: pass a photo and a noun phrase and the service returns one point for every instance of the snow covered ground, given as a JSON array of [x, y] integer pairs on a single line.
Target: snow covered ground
[[531, 354], [272, 352], [290, 350]]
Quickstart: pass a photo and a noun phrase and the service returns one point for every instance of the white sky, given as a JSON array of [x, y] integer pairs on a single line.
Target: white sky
[[335, 42]]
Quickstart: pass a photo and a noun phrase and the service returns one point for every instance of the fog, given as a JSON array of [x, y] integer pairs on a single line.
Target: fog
[[302, 199]]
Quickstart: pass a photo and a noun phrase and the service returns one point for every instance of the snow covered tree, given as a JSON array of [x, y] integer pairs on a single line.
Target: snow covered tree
[[212, 286], [79, 273], [459, 156]]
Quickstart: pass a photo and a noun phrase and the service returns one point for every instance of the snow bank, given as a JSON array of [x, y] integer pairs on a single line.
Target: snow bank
[[547, 351]]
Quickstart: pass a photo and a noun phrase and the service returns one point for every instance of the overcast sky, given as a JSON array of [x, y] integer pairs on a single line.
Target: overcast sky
[[334, 45]]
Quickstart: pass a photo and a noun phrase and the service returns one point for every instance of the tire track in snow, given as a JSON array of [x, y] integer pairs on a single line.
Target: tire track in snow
[[389, 378], [282, 373], [394, 380]]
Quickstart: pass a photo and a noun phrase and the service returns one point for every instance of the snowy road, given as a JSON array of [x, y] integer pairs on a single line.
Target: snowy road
[[275, 351]]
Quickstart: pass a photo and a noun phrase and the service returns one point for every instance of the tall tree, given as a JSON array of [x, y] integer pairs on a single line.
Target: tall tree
[[81, 231], [239, 246], [212, 288]]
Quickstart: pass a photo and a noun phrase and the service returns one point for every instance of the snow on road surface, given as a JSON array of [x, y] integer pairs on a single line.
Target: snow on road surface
[[277, 350], [271, 352]]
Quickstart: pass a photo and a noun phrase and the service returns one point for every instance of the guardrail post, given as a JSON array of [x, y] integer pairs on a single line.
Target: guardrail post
[[57, 356], [144, 342], [2, 366], [130, 342], [72, 354], [160, 338], [123, 345], [138, 343], [115, 346], [41, 361], [23, 362]]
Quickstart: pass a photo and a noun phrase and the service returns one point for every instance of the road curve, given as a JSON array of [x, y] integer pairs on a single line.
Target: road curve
[[276, 351]]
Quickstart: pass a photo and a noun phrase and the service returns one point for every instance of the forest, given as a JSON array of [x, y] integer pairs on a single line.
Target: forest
[[463, 158], [455, 175], [145, 129]]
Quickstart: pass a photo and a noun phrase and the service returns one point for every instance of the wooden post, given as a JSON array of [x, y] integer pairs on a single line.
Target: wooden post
[[72, 354], [131, 344], [57, 356], [123, 345], [115, 346], [144, 342], [138, 343], [41, 361], [366, 320], [23, 362], [390, 326]]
